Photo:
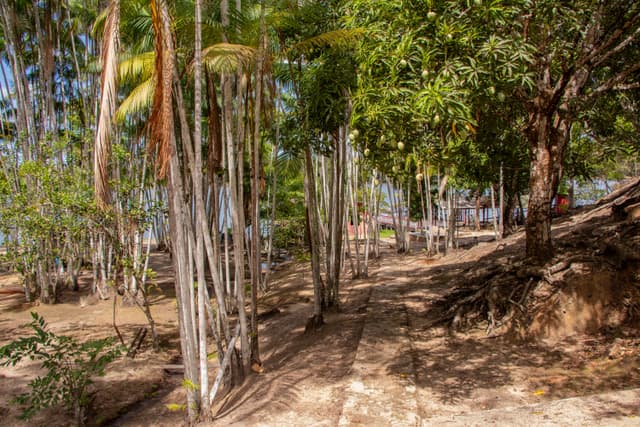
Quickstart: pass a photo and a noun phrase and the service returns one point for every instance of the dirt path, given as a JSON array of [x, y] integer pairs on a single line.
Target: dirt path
[[407, 372]]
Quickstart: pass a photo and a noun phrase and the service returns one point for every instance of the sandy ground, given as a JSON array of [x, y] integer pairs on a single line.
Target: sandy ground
[[376, 362]]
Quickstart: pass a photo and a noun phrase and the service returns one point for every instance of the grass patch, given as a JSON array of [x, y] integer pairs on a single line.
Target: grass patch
[[385, 234]]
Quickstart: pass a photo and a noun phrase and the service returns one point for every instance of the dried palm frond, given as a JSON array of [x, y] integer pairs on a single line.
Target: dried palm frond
[[337, 38], [108, 90], [227, 57], [161, 123]]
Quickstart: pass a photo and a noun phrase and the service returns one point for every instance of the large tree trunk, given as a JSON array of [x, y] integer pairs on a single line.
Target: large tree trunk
[[538, 226], [548, 134], [548, 139]]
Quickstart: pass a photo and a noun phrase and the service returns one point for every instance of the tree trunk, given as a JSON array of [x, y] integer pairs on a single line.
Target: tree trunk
[[538, 226], [182, 280], [234, 160], [255, 192], [336, 216], [205, 408], [314, 237]]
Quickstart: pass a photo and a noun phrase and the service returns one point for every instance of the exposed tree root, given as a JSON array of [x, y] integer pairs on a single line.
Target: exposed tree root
[[505, 294]]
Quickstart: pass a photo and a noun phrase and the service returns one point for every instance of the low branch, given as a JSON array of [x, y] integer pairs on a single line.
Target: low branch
[[613, 83], [623, 44], [627, 86], [593, 56]]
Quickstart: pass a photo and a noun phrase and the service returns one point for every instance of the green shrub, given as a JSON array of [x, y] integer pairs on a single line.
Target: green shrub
[[289, 233], [70, 367]]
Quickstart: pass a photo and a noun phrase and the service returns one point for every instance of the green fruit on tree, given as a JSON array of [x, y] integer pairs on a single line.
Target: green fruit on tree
[[431, 15], [366, 152], [425, 73], [400, 146]]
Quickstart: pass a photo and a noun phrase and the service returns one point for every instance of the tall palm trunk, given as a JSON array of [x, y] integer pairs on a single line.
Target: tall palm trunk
[[163, 135], [235, 187], [200, 212], [255, 190], [336, 218], [314, 236]]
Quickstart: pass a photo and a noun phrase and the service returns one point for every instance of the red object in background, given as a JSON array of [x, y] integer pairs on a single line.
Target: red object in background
[[562, 204]]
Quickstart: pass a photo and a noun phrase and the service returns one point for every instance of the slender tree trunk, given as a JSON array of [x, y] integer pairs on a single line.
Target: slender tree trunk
[[235, 187], [314, 236], [255, 190], [274, 186], [477, 210], [183, 281], [336, 217], [355, 220], [494, 214], [205, 408], [501, 189]]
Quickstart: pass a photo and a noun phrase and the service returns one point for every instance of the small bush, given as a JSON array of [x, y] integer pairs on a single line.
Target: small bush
[[70, 368], [289, 234]]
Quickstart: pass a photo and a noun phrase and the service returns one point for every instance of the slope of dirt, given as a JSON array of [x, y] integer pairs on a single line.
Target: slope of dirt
[[590, 284], [421, 341]]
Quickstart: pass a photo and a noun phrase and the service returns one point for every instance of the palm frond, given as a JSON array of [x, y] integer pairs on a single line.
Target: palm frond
[[227, 57], [289, 165], [99, 23], [336, 38], [137, 66], [108, 87], [140, 99]]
